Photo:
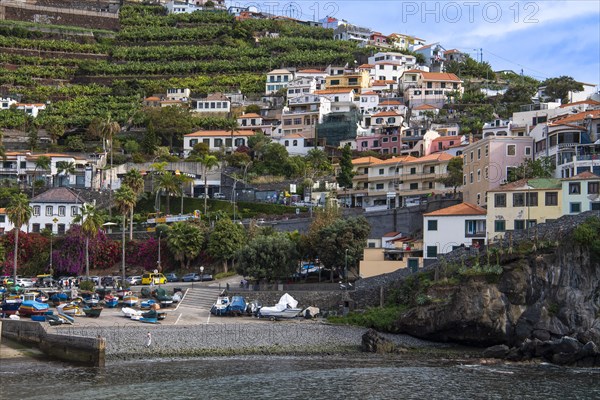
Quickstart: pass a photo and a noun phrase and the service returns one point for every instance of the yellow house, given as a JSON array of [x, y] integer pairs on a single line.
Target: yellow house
[[522, 204], [395, 254], [357, 81]]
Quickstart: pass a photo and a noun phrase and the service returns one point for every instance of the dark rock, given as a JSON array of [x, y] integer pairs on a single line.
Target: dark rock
[[589, 350], [373, 342], [541, 334], [529, 347], [514, 354], [564, 358], [498, 351], [566, 345]]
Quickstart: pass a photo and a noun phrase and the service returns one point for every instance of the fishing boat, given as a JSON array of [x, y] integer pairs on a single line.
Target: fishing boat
[[111, 301], [147, 304], [58, 298], [150, 317], [92, 312], [41, 297], [90, 298], [130, 312], [284, 309], [11, 304], [130, 300], [162, 297], [220, 306], [59, 320], [73, 308], [237, 306], [32, 307]]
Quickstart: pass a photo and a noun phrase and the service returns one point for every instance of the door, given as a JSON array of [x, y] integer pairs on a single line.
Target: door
[[413, 264]]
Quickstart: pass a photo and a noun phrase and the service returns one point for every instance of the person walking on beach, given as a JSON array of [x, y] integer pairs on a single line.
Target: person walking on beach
[[148, 339]]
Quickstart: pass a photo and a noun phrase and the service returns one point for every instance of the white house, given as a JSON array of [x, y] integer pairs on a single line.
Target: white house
[[213, 103], [278, 79], [217, 140], [393, 58], [55, 210], [5, 224], [31, 109], [581, 193], [296, 144], [301, 86], [317, 74], [6, 102], [178, 94], [433, 88], [459, 225], [250, 120]]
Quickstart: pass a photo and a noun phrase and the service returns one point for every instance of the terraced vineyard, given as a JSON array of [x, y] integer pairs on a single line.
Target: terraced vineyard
[[85, 73]]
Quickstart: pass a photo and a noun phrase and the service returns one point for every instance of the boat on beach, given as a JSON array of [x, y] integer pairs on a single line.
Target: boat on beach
[[284, 309], [32, 307], [92, 312], [111, 301], [238, 306], [130, 300], [220, 306]]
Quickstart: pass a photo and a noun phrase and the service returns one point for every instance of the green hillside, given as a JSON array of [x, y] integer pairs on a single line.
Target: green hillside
[[87, 73]]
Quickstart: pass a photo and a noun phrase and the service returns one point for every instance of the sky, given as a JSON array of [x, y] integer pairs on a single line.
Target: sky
[[544, 38]]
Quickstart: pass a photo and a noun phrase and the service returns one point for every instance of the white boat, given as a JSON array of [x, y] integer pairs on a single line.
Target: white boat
[[221, 306], [131, 313], [284, 309]]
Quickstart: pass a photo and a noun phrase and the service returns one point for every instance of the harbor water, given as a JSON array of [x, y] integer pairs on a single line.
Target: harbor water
[[294, 377]]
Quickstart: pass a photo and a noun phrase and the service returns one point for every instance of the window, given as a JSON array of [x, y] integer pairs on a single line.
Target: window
[[471, 177], [193, 142], [487, 149], [295, 142], [486, 173], [478, 175], [431, 251], [471, 156], [479, 154], [287, 143], [297, 121], [413, 170], [379, 186], [335, 82], [228, 142], [381, 170], [527, 151], [519, 224], [23, 164], [74, 211], [551, 198], [596, 205], [218, 142], [575, 208], [518, 199], [500, 200], [500, 226], [62, 210], [593, 187], [35, 228], [574, 188], [432, 225], [532, 199], [61, 229], [414, 186], [36, 210], [49, 210], [511, 150]]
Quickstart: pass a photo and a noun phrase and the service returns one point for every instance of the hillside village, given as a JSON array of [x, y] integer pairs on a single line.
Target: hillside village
[[401, 105]]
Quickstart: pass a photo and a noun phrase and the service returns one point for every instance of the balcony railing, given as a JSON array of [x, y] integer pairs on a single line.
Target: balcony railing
[[474, 234]]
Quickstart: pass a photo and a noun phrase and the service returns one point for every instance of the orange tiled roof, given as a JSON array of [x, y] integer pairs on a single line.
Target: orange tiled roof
[[387, 114], [250, 115], [396, 160], [220, 133], [433, 157], [458, 209], [366, 66], [369, 94], [366, 160], [333, 90], [390, 103], [582, 175], [590, 102], [2, 210], [425, 107], [440, 76], [443, 138], [152, 98], [311, 71], [383, 82], [576, 117]]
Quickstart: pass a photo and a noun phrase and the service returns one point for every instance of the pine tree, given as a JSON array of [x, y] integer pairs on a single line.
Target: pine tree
[[149, 140]]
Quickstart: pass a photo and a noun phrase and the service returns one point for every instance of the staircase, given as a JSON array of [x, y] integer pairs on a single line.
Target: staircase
[[200, 298]]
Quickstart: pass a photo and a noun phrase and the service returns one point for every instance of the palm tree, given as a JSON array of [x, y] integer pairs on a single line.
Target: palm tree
[[43, 163], [19, 214], [135, 181], [182, 180], [109, 129], [2, 151], [66, 167], [125, 199], [168, 183], [207, 162], [91, 222]]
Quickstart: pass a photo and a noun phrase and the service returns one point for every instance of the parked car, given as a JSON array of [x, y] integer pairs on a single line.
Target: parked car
[[134, 280], [25, 282], [206, 277], [96, 279], [219, 196], [157, 279], [203, 195], [191, 277], [107, 281], [172, 277]]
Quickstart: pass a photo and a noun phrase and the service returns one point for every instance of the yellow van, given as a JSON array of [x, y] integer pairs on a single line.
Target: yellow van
[[150, 277]]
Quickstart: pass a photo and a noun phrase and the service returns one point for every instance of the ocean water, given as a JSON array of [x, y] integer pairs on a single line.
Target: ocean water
[[310, 377]]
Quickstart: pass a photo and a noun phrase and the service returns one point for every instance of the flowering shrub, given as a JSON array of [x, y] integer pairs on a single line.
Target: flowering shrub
[[32, 256]]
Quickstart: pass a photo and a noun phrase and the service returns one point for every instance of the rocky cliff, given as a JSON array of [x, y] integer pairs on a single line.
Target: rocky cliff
[[538, 296]]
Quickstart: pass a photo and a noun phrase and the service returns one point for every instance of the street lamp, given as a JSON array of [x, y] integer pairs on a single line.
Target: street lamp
[[201, 274], [54, 221], [346, 266], [158, 261]]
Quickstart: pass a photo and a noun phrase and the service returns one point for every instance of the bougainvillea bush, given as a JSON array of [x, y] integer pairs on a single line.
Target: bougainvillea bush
[[32, 256], [69, 259]]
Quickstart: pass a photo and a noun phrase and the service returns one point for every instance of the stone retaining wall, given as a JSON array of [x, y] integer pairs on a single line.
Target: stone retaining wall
[[84, 350]]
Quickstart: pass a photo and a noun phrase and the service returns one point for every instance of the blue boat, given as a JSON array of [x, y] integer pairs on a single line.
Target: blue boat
[[221, 306], [58, 298], [147, 304], [237, 306], [111, 301]]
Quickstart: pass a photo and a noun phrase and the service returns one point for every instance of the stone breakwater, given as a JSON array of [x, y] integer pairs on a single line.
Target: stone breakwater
[[283, 337]]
